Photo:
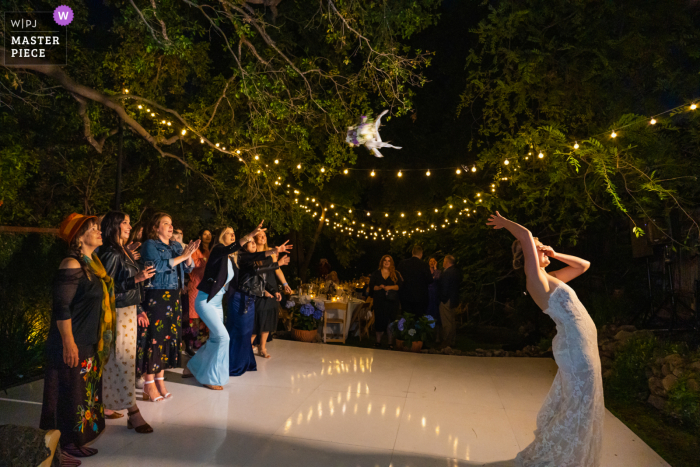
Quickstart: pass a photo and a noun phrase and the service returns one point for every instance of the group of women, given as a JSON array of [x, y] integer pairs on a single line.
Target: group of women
[[117, 315]]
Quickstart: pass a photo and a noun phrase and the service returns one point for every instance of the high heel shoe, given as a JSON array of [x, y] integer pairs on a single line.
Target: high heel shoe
[[146, 397], [142, 429], [167, 395]]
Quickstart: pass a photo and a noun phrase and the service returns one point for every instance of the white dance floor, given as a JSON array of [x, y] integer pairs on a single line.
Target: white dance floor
[[322, 405]]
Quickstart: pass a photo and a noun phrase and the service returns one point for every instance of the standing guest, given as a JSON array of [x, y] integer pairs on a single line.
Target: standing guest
[[136, 236], [324, 268], [159, 340], [384, 285], [448, 293], [570, 422], [417, 277], [210, 366], [266, 307], [252, 283], [79, 341], [118, 376], [191, 323], [433, 299]]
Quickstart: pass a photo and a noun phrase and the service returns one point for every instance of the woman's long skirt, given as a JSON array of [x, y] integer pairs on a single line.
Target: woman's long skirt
[[159, 342], [210, 364], [73, 398], [118, 373], [241, 319], [266, 317]]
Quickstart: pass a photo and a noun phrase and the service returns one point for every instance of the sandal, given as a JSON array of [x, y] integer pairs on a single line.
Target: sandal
[[114, 415], [66, 460], [263, 353], [142, 429], [167, 395], [147, 397]]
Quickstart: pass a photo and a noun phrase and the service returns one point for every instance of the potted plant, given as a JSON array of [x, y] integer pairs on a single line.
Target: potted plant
[[306, 318], [411, 332]]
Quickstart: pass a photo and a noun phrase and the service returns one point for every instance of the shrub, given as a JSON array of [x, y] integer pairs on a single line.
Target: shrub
[[410, 329], [629, 379], [684, 403]]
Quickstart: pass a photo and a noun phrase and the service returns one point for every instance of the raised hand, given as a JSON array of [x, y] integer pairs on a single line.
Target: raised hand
[[548, 250], [257, 230], [284, 248], [497, 221], [283, 261], [191, 248]]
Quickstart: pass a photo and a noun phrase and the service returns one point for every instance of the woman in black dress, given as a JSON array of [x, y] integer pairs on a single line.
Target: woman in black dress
[[384, 289], [79, 341], [267, 307]]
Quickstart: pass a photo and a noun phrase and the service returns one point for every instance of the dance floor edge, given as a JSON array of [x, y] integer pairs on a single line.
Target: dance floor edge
[[320, 405]]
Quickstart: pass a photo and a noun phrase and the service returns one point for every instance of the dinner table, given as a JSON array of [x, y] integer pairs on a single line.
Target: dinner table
[[353, 306]]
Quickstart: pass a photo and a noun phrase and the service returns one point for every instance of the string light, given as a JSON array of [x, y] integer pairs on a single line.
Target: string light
[[613, 134], [402, 215], [458, 171], [345, 171], [372, 174], [693, 107], [576, 143], [153, 115], [299, 166], [169, 123], [400, 174], [201, 140], [386, 214], [653, 121], [277, 161], [217, 145], [126, 91], [540, 155], [428, 173], [183, 132], [238, 151], [506, 162], [473, 168], [140, 107], [323, 169], [257, 157]]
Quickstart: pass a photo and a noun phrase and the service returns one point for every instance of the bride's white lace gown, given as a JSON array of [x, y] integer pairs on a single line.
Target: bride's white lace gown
[[570, 423]]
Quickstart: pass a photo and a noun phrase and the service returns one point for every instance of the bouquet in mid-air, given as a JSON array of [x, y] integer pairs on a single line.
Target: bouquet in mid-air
[[367, 134]]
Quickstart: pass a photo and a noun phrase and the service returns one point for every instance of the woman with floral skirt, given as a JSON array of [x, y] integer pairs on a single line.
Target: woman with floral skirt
[[159, 336]]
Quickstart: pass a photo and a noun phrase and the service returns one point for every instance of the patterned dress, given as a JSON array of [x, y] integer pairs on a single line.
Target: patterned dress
[[118, 374], [570, 423], [159, 342]]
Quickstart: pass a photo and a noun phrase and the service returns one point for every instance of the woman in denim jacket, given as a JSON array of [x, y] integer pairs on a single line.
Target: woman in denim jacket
[[159, 335]]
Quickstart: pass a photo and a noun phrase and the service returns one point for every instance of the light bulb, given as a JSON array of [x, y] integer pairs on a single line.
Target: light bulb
[[153, 115], [506, 162], [400, 174], [402, 215], [458, 171], [140, 107], [428, 173], [332, 206], [257, 157], [653, 121], [163, 122], [298, 166], [126, 91], [372, 174], [184, 132], [277, 161], [693, 107], [368, 214], [473, 168], [238, 151], [540, 155], [350, 211], [201, 140], [217, 145], [436, 210], [345, 171], [169, 123], [576, 145], [386, 214], [613, 134], [419, 213]]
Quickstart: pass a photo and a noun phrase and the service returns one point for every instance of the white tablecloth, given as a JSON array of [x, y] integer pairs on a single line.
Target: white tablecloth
[[352, 308]]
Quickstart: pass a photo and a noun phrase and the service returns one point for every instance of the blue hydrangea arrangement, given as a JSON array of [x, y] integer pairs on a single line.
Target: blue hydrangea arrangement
[[307, 314], [410, 328]]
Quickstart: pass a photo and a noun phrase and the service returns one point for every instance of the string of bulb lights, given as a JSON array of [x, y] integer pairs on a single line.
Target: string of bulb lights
[[369, 230]]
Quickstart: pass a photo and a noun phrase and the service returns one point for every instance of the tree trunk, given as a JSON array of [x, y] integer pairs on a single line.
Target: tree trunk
[[307, 260]]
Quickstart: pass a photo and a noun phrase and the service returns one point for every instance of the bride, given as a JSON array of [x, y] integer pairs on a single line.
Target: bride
[[570, 423]]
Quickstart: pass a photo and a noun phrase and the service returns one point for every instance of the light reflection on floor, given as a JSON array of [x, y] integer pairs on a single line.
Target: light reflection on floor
[[320, 405]]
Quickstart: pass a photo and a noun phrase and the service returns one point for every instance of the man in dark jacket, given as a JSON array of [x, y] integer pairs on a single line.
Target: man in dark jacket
[[448, 292], [416, 279]]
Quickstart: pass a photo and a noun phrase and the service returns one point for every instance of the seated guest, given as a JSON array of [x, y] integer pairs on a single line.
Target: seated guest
[[332, 283], [79, 341], [118, 374], [159, 340], [210, 365], [251, 284]]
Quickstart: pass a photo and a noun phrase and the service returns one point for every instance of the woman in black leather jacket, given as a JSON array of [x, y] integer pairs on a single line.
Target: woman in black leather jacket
[[251, 283], [118, 373]]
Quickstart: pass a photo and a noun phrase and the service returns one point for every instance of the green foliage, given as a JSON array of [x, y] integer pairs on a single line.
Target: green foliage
[[629, 380], [684, 402]]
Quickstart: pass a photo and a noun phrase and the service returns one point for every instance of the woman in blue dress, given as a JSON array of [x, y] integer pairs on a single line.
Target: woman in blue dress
[[251, 283]]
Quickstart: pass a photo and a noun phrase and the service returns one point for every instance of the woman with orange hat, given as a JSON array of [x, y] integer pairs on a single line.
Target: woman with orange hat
[[80, 339]]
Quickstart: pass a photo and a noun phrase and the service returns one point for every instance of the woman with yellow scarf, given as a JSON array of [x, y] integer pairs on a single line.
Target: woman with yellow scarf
[[79, 342]]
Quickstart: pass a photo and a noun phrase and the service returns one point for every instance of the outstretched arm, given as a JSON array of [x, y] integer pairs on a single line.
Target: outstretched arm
[[537, 283], [575, 266]]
